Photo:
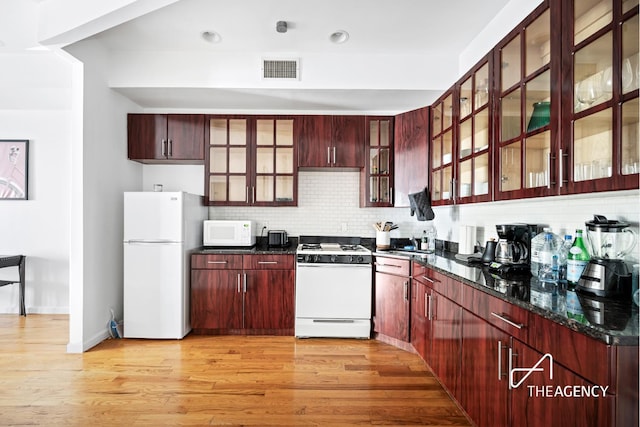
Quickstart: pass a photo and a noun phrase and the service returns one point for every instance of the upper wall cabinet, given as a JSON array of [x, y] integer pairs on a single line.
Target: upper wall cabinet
[[331, 141], [410, 154], [442, 150], [600, 48], [166, 138], [250, 161], [378, 172], [527, 93]]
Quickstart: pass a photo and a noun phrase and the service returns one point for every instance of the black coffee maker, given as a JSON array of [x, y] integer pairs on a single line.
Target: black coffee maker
[[513, 249]]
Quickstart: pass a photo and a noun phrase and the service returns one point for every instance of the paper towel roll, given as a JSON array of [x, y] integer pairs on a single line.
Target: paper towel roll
[[467, 241]]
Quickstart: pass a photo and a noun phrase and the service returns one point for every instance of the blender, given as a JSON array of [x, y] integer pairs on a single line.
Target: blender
[[607, 274]]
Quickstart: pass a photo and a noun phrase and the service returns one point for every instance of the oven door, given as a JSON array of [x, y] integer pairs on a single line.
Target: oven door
[[333, 291]]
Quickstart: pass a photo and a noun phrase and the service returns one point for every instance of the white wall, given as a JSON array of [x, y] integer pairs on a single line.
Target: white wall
[[36, 105], [96, 254]]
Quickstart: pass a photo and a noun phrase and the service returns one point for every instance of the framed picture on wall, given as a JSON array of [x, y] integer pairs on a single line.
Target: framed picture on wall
[[14, 164]]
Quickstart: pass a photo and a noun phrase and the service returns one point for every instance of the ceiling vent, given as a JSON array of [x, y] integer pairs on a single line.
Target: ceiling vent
[[288, 69]]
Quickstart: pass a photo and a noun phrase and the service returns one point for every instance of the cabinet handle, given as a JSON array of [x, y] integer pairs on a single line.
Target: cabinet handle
[[253, 195], [245, 283], [428, 279], [500, 348], [390, 195], [512, 354], [328, 155], [549, 170], [267, 262], [170, 149], [334, 155], [430, 311], [561, 166], [239, 283], [163, 148], [510, 322], [217, 262], [454, 189], [406, 290], [387, 265], [246, 194]]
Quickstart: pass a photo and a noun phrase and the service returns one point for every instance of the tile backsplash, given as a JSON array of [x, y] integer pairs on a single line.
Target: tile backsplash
[[329, 204]]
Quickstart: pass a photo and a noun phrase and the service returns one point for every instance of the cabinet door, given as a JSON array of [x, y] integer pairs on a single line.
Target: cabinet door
[[446, 342], [392, 306], [527, 109], [274, 167], [530, 406], [411, 152], [420, 319], [484, 381], [216, 299], [314, 141], [146, 135], [269, 299], [378, 172], [600, 132], [227, 161], [442, 151], [185, 135], [348, 135]]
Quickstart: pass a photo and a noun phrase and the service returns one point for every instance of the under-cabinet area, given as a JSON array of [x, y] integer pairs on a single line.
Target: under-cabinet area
[[504, 359]]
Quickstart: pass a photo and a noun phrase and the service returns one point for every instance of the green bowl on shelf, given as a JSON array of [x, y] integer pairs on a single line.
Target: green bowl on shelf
[[540, 116]]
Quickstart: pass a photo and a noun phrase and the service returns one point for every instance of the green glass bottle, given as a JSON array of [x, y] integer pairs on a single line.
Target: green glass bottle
[[577, 259]]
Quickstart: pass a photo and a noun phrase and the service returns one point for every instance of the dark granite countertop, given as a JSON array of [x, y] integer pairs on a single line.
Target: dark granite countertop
[[611, 321]]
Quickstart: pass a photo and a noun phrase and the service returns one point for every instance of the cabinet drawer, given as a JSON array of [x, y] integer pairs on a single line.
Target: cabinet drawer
[[268, 262], [512, 319], [216, 261], [444, 285], [399, 267]]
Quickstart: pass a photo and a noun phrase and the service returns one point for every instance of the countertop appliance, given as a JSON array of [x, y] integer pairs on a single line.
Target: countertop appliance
[[607, 274], [229, 233], [277, 239], [333, 290], [513, 249], [160, 231]]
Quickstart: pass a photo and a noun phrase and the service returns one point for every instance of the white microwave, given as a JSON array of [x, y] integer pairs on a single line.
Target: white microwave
[[233, 233]]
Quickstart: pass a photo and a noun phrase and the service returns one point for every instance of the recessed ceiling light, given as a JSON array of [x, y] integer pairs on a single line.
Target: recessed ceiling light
[[211, 36], [339, 37]]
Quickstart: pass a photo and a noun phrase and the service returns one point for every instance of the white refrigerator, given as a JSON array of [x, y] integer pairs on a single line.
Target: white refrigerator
[[161, 229]]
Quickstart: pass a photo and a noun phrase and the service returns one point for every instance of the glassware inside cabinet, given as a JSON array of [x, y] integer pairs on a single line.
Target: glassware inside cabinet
[[593, 75], [481, 174], [481, 95], [537, 151], [447, 183], [447, 147], [510, 167], [630, 137], [447, 111], [481, 131], [592, 146], [466, 90], [538, 106], [630, 73]]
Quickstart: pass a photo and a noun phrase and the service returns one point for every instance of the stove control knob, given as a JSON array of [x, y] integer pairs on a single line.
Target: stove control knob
[[333, 258], [360, 259]]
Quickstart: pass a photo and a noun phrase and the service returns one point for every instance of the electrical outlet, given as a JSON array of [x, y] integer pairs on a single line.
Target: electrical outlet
[[265, 225]]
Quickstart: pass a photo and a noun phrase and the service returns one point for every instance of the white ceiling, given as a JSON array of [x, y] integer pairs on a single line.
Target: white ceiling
[[401, 54]]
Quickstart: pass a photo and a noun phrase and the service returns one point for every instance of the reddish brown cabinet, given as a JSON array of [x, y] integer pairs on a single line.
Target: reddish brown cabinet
[[166, 138], [411, 154], [446, 342], [242, 294], [392, 294], [377, 175], [331, 141]]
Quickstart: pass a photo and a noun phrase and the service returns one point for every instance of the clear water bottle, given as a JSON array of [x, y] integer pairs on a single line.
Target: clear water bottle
[[577, 260], [536, 246], [548, 270], [563, 253], [431, 238]]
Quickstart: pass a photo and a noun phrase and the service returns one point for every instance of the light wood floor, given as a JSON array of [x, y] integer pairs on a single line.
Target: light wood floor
[[211, 381]]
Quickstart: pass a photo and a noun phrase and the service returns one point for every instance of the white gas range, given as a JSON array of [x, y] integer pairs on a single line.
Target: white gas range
[[333, 290]]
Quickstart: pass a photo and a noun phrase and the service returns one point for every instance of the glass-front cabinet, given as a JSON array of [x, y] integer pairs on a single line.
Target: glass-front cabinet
[[442, 151], [527, 108], [474, 136], [379, 168], [250, 161], [602, 139]]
